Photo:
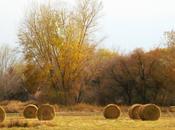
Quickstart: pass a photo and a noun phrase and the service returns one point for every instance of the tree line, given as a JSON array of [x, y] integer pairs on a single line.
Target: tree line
[[61, 63]]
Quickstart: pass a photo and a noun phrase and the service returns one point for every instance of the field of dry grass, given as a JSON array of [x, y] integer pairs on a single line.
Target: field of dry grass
[[81, 117], [88, 121], [18, 106]]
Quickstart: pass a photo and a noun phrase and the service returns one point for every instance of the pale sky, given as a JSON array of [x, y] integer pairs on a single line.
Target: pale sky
[[127, 24]]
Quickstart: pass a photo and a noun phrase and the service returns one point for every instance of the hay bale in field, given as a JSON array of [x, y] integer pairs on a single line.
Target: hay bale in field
[[2, 114], [172, 108], [149, 112], [46, 112], [133, 111], [111, 111], [30, 111]]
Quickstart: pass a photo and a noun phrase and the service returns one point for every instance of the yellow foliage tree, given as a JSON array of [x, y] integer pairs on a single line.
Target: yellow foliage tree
[[59, 42]]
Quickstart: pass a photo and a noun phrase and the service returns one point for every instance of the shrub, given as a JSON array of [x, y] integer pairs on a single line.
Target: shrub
[[2, 114], [30, 111], [46, 112], [172, 108], [149, 112], [111, 111], [133, 111]]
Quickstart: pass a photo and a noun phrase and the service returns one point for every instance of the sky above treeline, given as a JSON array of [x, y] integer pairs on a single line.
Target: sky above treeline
[[126, 24]]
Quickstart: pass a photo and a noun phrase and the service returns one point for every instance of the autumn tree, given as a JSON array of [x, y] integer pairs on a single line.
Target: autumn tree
[[91, 87], [59, 41], [139, 77], [170, 39]]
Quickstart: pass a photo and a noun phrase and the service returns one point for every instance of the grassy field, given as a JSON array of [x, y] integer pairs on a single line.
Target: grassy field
[[89, 121]]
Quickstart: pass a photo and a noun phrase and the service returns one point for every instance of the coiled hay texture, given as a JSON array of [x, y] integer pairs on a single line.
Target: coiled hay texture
[[149, 112], [111, 111], [2, 114], [172, 108], [133, 111], [30, 111], [46, 112]]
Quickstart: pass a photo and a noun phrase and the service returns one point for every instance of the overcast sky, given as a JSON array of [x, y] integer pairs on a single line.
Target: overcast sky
[[127, 24]]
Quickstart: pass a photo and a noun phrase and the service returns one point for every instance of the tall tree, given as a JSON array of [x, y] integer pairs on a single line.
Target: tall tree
[[59, 42]]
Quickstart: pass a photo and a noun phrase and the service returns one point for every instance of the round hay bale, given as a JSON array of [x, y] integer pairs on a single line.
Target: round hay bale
[[172, 108], [2, 114], [111, 111], [149, 112], [30, 111], [46, 112], [133, 111]]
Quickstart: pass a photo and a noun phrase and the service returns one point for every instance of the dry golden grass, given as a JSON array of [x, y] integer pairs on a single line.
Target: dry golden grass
[[23, 123], [18, 107], [78, 108], [2, 114], [172, 108], [83, 117], [12, 106], [94, 121], [15, 106]]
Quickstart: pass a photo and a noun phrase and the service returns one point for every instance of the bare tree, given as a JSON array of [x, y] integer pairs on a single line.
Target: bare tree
[[8, 79]]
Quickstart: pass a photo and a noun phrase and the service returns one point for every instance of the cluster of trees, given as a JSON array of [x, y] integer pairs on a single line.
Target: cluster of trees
[[61, 63], [140, 77]]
